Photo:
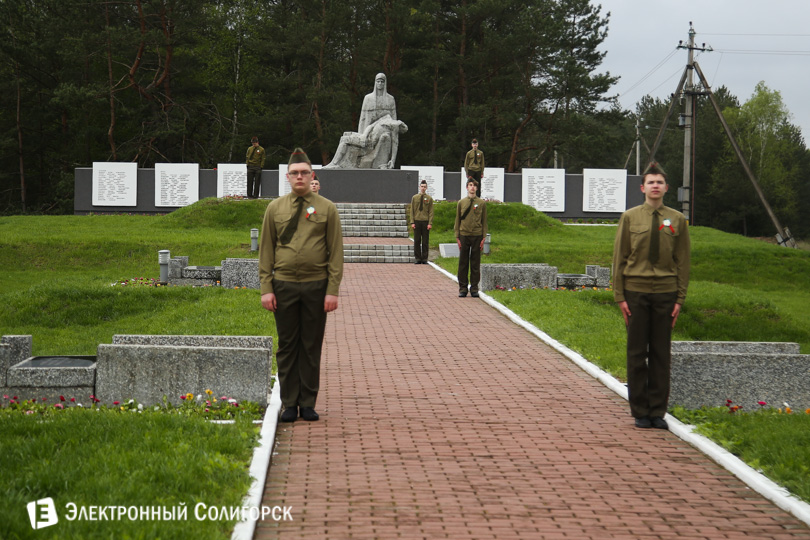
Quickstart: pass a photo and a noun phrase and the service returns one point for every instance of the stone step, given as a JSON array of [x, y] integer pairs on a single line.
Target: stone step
[[376, 222], [372, 211], [365, 206], [377, 253], [373, 227], [381, 234], [392, 259]]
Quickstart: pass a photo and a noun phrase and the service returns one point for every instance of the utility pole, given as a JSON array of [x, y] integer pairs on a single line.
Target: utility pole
[[783, 235], [638, 148], [687, 123]]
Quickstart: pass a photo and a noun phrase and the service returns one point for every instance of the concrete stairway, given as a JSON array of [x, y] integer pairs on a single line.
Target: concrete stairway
[[375, 220], [377, 253], [379, 221]]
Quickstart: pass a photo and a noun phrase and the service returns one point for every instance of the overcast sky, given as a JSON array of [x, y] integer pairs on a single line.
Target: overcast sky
[[753, 40]]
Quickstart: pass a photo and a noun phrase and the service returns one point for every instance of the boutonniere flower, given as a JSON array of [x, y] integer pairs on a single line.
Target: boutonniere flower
[[475, 206], [667, 223], [310, 211]]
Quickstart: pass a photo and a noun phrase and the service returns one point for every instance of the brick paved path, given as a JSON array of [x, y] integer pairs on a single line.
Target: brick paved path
[[441, 419]]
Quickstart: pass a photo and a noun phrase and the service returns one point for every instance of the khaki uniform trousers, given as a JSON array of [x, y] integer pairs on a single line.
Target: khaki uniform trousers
[[300, 321], [649, 337], [421, 236], [469, 259]]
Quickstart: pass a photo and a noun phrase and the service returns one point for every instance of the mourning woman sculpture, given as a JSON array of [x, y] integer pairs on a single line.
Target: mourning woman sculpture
[[376, 142]]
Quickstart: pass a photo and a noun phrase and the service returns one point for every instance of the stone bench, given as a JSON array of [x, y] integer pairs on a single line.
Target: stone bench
[[149, 367], [527, 276], [707, 373], [143, 367]]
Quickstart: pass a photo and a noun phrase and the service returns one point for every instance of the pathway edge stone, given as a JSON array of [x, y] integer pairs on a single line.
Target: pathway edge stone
[[260, 465]]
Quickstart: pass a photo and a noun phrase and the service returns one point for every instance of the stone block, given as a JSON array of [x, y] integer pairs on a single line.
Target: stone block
[[573, 281], [146, 373], [449, 250], [176, 265], [237, 342], [41, 377], [527, 276], [202, 272], [240, 273], [13, 350], [601, 273], [709, 373], [739, 347]]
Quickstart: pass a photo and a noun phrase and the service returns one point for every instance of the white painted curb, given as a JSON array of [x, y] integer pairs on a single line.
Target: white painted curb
[[259, 466], [752, 478]]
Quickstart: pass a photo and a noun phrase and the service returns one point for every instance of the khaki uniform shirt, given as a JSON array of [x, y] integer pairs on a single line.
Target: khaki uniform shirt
[[255, 156], [469, 161], [475, 224], [315, 251], [426, 214], [632, 269]]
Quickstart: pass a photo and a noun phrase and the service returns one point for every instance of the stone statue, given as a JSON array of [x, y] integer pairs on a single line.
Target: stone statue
[[376, 142]]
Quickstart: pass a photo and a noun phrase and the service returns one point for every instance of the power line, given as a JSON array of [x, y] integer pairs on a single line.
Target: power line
[[756, 35], [651, 72], [761, 51]]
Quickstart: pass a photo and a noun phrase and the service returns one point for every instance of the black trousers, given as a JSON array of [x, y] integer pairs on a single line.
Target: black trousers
[[254, 181], [469, 259], [300, 321], [649, 337], [421, 236], [476, 175]]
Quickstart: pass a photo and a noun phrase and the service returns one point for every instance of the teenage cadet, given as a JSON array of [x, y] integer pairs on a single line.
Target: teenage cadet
[[300, 269], [255, 161], [422, 217], [474, 165], [470, 229], [651, 274]]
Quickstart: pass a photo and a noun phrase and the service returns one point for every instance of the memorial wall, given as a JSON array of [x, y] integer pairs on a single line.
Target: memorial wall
[[123, 188]]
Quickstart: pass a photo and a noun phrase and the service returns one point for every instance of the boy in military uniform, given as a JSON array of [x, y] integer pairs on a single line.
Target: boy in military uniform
[[255, 161], [300, 269], [470, 229], [474, 165], [422, 217], [651, 274]]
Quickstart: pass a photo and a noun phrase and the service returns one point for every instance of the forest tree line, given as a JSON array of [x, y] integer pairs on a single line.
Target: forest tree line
[[151, 81]]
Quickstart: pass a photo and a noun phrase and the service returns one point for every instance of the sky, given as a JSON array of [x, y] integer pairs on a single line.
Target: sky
[[752, 41]]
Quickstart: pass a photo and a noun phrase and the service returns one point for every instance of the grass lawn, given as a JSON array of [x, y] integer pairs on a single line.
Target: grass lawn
[[102, 458], [57, 285]]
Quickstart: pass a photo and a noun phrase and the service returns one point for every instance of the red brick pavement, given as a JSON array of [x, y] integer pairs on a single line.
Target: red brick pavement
[[442, 419]]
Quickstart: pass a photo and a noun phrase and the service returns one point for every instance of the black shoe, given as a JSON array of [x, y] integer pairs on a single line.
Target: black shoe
[[462, 295], [659, 423], [643, 422], [309, 414], [474, 294], [417, 262], [289, 414]]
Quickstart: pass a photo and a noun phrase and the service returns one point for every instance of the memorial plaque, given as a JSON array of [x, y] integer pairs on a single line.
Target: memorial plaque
[[604, 190], [177, 184], [544, 189], [491, 183], [434, 176], [231, 179], [115, 184]]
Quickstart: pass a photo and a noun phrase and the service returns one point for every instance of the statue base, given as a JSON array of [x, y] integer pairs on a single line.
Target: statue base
[[368, 185]]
